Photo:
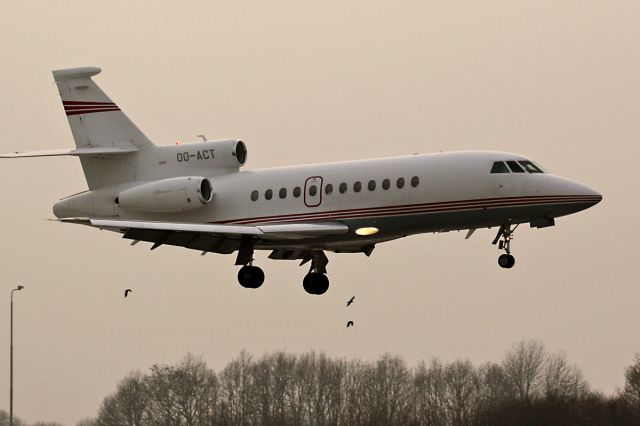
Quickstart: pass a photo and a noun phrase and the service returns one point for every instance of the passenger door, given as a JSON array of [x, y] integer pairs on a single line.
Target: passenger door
[[313, 191]]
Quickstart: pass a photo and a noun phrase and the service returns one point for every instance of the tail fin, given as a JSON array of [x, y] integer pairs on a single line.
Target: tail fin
[[97, 122]]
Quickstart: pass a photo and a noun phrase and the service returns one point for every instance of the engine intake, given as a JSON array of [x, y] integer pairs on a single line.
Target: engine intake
[[167, 195]]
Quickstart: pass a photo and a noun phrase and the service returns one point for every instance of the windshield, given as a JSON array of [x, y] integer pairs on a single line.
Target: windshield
[[513, 166]]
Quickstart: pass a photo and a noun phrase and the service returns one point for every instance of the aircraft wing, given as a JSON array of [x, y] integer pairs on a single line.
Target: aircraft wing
[[220, 238], [73, 152]]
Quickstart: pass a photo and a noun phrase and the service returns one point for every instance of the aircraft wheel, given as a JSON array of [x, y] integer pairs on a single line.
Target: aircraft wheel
[[315, 283], [250, 276], [506, 261]]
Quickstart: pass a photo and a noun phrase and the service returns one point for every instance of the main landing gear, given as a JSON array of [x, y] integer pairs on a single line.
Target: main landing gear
[[249, 276], [503, 239], [316, 281]]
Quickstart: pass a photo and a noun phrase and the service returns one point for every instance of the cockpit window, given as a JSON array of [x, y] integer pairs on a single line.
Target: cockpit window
[[499, 167], [515, 167], [530, 167]]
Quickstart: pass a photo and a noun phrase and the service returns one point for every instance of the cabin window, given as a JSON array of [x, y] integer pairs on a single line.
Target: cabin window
[[254, 195], [268, 194], [371, 185], [297, 191], [357, 186], [283, 193], [342, 188], [313, 190], [499, 167], [386, 184], [328, 189], [530, 167], [400, 183], [515, 167], [415, 181]]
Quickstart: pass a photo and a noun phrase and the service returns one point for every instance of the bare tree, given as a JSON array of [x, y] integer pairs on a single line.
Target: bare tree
[[462, 391], [390, 391], [632, 382], [429, 390], [304, 391], [128, 405], [562, 380], [354, 390], [523, 366], [329, 399], [495, 384], [193, 387], [237, 403], [261, 382], [495, 391], [163, 404], [283, 366]]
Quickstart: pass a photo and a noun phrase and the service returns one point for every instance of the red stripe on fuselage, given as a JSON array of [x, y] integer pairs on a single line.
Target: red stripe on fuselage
[[419, 208]]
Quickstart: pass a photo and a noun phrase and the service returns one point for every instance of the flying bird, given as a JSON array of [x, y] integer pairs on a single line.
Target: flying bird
[[351, 301], [127, 291], [349, 324]]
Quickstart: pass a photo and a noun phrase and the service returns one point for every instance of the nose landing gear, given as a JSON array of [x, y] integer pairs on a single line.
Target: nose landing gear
[[503, 239]]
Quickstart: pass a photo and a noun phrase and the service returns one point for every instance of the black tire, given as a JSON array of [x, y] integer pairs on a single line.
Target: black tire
[[307, 284], [258, 277], [506, 261], [315, 283], [250, 277]]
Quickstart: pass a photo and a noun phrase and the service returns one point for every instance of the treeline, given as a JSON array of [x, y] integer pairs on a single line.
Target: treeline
[[17, 421], [529, 387]]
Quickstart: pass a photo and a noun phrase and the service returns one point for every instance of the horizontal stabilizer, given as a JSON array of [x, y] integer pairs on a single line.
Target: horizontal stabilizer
[[271, 232], [73, 152]]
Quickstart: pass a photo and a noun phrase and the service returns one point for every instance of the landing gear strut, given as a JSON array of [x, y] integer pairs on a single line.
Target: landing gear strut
[[249, 276], [316, 281], [503, 239]]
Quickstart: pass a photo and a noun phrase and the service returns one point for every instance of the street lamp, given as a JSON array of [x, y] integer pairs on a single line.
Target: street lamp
[[11, 361]]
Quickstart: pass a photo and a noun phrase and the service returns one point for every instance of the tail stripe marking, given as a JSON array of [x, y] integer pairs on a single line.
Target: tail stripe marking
[[67, 103], [81, 107], [91, 111]]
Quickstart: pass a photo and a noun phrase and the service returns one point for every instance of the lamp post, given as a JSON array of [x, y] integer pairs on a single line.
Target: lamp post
[[11, 361]]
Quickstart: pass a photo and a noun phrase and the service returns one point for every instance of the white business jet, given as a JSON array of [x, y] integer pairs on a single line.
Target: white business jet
[[195, 196]]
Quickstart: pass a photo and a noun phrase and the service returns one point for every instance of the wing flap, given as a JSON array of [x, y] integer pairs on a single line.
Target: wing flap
[[275, 231]]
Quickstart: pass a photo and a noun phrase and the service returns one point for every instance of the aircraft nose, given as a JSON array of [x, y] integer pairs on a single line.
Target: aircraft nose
[[589, 193], [576, 192]]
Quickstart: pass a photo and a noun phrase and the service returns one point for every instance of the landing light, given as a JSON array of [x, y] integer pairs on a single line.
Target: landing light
[[367, 231]]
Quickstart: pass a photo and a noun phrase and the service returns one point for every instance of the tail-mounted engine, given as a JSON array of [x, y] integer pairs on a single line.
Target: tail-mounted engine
[[208, 158], [167, 195]]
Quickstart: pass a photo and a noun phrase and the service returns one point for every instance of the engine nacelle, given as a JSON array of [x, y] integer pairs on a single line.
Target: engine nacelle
[[208, 158], [167, 195]]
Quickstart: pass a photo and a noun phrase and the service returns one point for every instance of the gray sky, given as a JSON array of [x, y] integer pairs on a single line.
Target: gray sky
[[304, 82]]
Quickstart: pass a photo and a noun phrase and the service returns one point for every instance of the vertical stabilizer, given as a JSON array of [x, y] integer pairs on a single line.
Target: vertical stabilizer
[[96, 121]]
